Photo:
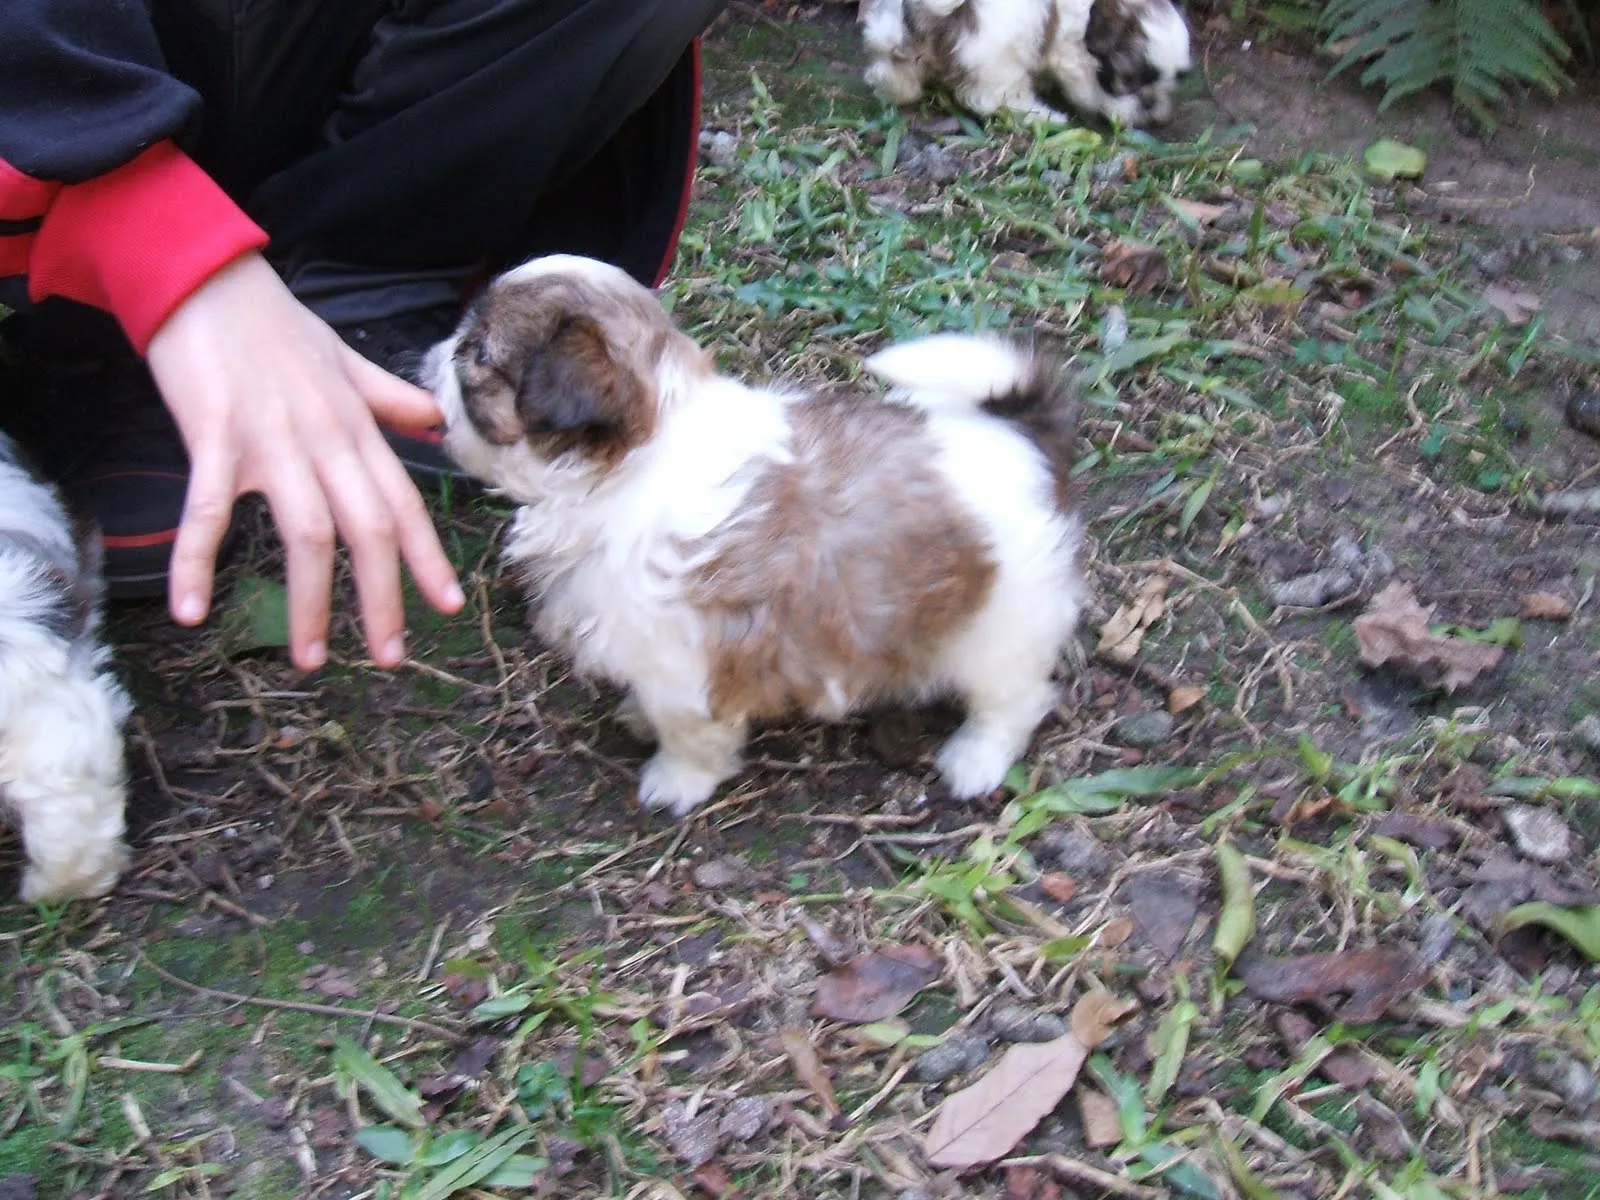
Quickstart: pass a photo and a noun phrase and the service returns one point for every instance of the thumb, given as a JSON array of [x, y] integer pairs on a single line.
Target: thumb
[[393, 401]]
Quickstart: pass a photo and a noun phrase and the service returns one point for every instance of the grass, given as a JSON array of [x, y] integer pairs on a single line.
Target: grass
[[452, 844]]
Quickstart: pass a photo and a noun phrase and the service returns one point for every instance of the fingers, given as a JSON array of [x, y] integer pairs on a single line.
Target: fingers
[[391, 399], [413, 527], [207, 511], [365, 520]]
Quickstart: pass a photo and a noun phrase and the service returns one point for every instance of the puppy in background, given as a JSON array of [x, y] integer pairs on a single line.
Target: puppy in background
[[1119, 59], [730, 553], [61, 710]]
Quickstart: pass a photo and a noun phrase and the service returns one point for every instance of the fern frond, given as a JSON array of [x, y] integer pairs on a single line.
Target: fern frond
[[1473, 46]]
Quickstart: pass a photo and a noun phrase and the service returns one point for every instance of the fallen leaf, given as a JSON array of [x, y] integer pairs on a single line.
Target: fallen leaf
[[1545, 606], [1348, 1069], [1098, 1112], [1182, 699], [1164, 904], [808, 1068], [1417, 831], [335, 982], [1369, 980], [719, 873], [1137, 266], [875, 986], [712, 1179], [1122, 635], [1114, 932], [983, 1122], [1058, 886], [1027, 1183], [1580, 926], [257, 616], [1196, 211], [1236, 924], [745, 1117], [1394, 628], [1518, 307], [1097, 1014], [1390, 160]]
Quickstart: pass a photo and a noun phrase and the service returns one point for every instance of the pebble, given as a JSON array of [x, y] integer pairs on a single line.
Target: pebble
[[718, 873], [1077, 852], [1438, 934], [744, 1118], [953, 1056], [1347, 553], [1144, 731], [1538, 833], [1013, 1023], [718, 147], [1583, 411], [1314, 589], [1114, 330], [1112, 169], [1587, 731], [935, 163]]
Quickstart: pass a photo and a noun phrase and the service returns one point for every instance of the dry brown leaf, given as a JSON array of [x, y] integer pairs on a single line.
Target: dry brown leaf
[[1097, 1014], [1199, 211], [877, 985], [980, 1123], [1123, 634], [1114, 932], [1182, 699], [1518, 307], [1137, 266], [1098, 1111], [1546, 606], [1029, 1183], [712, 1179], [1369, 980], [808, 1068], [1058, 886], [1394, 628]]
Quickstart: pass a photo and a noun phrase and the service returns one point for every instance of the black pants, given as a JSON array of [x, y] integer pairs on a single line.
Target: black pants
[[396, 149]]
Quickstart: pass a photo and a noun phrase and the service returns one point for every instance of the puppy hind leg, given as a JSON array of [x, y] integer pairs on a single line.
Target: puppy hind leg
[[999, 725], [696, 754]]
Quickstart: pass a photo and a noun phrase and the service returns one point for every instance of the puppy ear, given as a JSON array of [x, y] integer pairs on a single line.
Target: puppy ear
[[572, 384]]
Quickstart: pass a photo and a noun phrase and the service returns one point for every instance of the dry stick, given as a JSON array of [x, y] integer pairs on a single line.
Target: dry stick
[[1075, 1171], [326, 1010]]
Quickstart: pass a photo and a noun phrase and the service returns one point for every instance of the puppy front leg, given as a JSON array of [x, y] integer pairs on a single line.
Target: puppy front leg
[[696, 754]]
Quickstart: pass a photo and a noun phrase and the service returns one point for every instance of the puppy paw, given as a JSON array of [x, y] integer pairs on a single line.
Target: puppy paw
[[678, 787], [974, 765], [81, 880]]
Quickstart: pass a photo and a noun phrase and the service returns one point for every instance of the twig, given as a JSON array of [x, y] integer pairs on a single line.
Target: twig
[[326, 1010], [1074, 1171]]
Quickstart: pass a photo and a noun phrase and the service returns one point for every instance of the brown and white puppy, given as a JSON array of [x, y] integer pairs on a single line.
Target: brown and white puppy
[[731, 553], [1119, 59]]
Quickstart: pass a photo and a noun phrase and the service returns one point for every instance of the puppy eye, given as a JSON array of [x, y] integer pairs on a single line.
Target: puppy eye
[[480, 354]]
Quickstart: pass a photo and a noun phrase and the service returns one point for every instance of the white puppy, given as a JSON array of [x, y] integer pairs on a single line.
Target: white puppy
[[1119, 59], [61, 709], [730, 553]]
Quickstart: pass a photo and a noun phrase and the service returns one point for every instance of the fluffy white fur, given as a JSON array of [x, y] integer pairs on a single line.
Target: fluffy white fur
[[993, 54], [610, 555], [61, 709]]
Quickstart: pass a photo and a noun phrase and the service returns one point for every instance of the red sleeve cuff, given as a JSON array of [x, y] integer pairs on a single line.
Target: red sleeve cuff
[[137, 240]]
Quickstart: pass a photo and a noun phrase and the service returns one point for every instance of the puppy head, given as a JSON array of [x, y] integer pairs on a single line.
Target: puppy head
[[1140, 48], [559, 370]]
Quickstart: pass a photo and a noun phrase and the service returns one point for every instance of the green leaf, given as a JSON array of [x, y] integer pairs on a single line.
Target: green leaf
[[1183, 1174], [1063, 949], [497, 1007], [518, 1171], [1580, 926], [448, 1147], [1171, 1043], [380, 1083], [476, 1165], [1237, 923], [257, 616], [1131, 353], [1196, 502], [387, 1143], [1390, 160], [1568, 787], [885, 1033]]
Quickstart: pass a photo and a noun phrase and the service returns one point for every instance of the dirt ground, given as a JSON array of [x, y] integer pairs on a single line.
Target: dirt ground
[[412, 847]]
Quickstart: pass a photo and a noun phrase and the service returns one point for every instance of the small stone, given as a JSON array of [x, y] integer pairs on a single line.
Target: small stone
[[1583, 411], [693, 1139], [718, 873], [915, 1193], [953, 1056], [1379, 565], [1438, 934], [745, 1117], [934, 163], [1013, 1023], [1538, 833], [1587, 731], [1144, 731], [1314, 589], [1347, 553], [1077, 852], [718, 147], [1338, 492], [1112, 169]]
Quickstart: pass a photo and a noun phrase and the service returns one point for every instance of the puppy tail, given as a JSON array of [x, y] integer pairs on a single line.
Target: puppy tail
[[952, 372]]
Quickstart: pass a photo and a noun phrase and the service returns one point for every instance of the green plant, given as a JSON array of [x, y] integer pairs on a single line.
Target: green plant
[[1473, 46]]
